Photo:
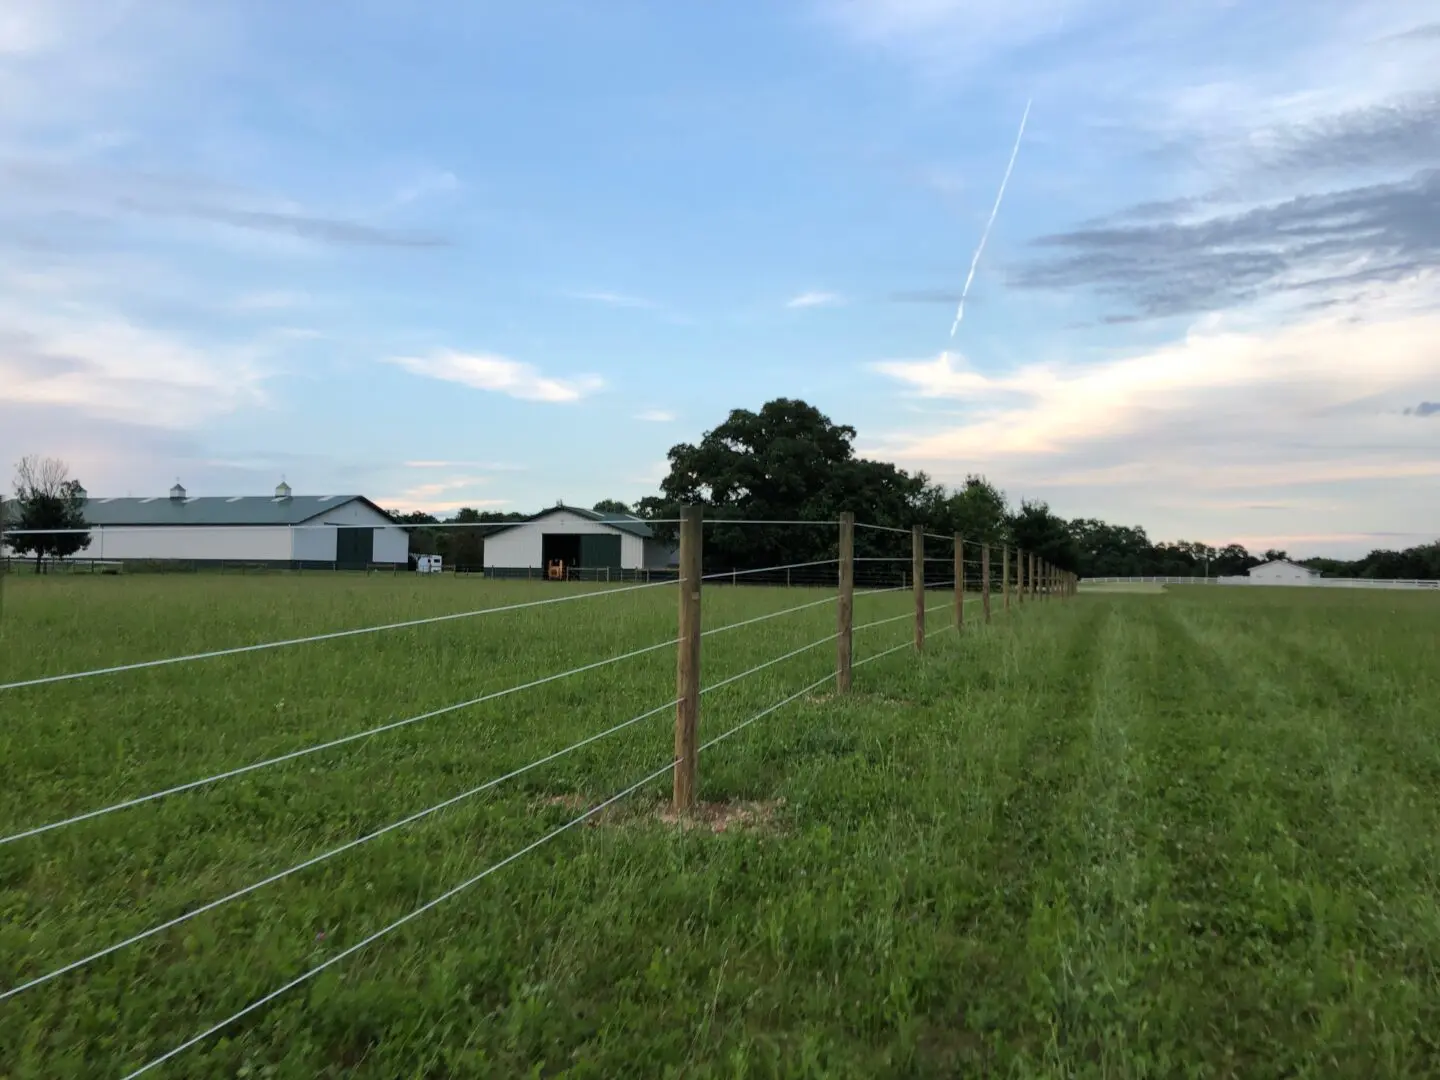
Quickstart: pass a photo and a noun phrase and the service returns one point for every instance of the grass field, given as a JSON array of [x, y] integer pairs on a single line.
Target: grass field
[[1129, 835]]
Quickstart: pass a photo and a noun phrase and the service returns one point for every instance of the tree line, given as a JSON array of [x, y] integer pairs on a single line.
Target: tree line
[[790, 462]]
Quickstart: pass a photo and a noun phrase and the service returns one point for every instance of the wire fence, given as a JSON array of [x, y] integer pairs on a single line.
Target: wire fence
[[968, 577]]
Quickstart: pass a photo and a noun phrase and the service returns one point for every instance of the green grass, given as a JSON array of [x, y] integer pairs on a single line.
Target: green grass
[[1191, 834]]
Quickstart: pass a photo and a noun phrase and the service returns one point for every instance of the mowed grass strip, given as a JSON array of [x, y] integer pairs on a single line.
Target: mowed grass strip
[[1122, 836]]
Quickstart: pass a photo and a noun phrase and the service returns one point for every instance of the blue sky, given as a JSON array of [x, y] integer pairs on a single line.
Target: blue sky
[[500, 254]]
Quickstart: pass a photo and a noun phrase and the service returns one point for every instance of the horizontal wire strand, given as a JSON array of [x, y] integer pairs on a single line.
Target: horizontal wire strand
[[383, 931], [767, 569], [212, 905], [331, 636], [317, 859], [427, 621], [350, 845], [469, 882], [330, 744]]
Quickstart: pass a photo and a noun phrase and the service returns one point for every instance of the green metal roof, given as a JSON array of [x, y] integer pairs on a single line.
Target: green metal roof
[[211, 510], [625, 523]]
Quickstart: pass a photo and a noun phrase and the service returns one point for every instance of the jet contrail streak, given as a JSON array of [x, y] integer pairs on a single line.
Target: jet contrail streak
[[960, 311]]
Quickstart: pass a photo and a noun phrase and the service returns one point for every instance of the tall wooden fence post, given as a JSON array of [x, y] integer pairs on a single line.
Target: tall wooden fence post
[[1031, 579], [1019, 577], [1005, 575], [845, 643], [959, 583], [917, 571], [4, 564], [687, 659], [985, 580]]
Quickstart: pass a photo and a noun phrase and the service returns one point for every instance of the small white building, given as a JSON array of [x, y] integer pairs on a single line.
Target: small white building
[[1282, 572], [343, 531], [586, 541]]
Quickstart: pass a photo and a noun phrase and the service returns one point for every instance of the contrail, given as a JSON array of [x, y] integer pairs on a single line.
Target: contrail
[[960, 311]]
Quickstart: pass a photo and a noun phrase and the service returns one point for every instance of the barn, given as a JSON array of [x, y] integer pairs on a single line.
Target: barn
[[1282, 572], [283, 529], [589, 543]]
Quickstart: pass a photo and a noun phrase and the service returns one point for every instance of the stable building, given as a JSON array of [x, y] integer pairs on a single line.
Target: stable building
[[284, 529], [586, 543]]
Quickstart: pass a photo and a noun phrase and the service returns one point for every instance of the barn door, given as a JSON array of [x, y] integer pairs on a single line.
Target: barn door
[[354, 548], [599, 550]]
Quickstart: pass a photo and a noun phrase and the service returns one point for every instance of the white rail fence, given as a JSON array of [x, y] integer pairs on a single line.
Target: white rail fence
[[1323, 583]]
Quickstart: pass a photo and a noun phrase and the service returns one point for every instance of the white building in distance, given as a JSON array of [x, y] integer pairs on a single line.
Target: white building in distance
[[586, 541], [341, 531], [1282, 572]]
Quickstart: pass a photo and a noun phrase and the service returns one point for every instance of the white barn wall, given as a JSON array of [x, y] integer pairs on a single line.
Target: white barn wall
[[632, 552], [514, 548], [238, 542], [353, 512], [521, 545], [1280, 573], [314, 544], [392, 545]]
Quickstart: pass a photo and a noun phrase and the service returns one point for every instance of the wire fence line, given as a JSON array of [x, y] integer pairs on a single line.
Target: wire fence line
[[420, 815], [381, 729], [333, 635], [474, 880], [358, 631], [732, 575], [688, 693]]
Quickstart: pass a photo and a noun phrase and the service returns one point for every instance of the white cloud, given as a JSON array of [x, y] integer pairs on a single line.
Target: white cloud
[[98, 363], [498, 374], [1234, 407], [652, 474], [486, 465], [814, 299], [656, 416], [613, 299]]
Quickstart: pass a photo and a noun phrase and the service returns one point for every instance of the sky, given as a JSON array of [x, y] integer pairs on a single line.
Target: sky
[[500, 255]]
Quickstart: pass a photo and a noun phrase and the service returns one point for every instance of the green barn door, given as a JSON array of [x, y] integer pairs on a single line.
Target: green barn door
[[354, 548], [597, 550]]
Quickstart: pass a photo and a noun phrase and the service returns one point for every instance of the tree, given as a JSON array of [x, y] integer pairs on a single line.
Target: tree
[[611, 506], [1105, 550], [1036, 530], [787, 462], [977, 511], [47, 498]]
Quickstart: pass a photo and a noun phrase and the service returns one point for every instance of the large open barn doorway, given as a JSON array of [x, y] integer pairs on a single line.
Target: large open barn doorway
[[562, 546]]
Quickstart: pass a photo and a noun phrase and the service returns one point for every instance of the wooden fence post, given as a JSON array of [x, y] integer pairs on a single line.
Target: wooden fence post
[[985, 579], [959, 583], [917, 571], [687, 659], [845, 643], [1031, 579], [1019, 577], [1005, 575], [4, 564]]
